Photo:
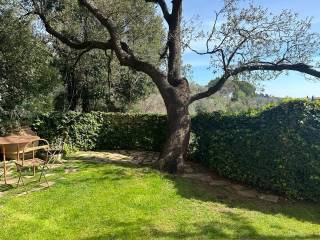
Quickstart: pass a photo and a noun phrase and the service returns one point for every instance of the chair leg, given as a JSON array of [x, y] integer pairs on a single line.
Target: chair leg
[[42, 170], [51, 161], [43, 174], [20, 179]]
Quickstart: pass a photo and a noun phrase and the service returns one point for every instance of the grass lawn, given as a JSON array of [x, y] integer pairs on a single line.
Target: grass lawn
[[105, 201]]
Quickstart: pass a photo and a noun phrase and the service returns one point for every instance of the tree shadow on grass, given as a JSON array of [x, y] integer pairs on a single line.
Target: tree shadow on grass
[[144, 229], [100, 173], [104, 160], [192, 189], [238, 228], [5, 187]]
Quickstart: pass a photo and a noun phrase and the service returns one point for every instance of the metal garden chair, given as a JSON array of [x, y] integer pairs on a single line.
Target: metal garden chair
[[34, 155], [55, 151]]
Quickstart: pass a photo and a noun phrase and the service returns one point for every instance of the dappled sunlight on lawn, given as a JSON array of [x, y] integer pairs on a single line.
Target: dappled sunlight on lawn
[[103, 200]]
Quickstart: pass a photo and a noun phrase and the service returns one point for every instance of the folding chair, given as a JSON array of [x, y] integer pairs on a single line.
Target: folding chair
[[55, 151], [29, 159]]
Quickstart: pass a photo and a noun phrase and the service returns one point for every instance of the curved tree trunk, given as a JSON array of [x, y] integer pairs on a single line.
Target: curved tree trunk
[[174, 151]]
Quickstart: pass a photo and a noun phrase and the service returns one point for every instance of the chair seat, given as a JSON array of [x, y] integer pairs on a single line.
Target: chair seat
[[30, 162]]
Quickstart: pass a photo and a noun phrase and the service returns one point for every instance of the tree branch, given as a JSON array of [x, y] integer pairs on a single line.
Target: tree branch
[[111, 27], [71, 43], [164, 8], [211, 90], [174, 44], [176, 9], [298, 67], [124, 54], [259, 66]]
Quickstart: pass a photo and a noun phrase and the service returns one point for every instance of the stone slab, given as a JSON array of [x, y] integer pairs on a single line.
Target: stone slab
[[50, 174], [198, 176], [70, 170], [12, 181], [37, 189], [219, 183], [238, 187], [269, 197], [21, 194], [44, 184], [28, 177], [248, 193]]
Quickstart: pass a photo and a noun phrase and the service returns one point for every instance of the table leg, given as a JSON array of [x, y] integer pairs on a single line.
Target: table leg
[[4, 164], [18, 155]]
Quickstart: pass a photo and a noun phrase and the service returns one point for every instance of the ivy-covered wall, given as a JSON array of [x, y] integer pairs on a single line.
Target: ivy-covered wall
[[276, 149], [104, 131]]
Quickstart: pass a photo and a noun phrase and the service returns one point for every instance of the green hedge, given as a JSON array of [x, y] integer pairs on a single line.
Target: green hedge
[[104, 131], [276, 149]]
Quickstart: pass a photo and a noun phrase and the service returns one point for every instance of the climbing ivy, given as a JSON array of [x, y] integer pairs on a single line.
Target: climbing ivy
[[275, 149], [104, 131]]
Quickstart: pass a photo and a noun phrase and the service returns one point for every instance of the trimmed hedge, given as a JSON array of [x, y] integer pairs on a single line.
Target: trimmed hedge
[[276, 149], [104, 131]]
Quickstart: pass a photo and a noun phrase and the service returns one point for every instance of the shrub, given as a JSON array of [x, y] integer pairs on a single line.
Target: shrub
[[276, 149], [104, 131]]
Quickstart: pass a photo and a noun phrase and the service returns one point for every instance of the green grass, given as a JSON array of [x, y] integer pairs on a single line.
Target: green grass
[[120, 202]]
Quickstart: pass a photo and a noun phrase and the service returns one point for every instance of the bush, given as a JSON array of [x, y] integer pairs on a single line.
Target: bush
[[104, 131], [276, 149]]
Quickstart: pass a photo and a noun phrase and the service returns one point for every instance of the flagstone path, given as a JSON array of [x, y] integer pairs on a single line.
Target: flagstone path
[[193, 171]]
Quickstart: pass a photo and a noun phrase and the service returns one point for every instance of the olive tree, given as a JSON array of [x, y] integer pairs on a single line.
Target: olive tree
[[27, 78], [93, 79], [249, 41]]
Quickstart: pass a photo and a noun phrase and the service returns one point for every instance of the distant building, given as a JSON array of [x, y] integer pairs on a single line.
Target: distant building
[[315, 98]]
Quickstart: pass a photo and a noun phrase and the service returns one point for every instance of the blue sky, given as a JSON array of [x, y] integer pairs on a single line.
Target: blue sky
[[292, 85]]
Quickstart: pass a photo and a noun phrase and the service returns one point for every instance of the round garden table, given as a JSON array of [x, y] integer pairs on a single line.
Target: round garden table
[[14, 140]]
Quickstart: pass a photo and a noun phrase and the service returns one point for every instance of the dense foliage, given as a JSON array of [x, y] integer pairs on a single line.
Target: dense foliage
[[94, 79], [38, 73], [27, 77], [104, 131], [277, 149]]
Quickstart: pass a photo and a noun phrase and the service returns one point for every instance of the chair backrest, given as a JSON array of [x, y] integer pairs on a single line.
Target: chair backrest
[[1, 169], [57, 146], [34, 146]]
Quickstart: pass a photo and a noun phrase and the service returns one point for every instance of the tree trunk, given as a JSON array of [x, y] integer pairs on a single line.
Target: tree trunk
[[72, 93], [174, 151], [85, 100]]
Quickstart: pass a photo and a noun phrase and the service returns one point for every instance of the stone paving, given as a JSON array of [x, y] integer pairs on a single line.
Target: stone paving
[[197, 172], [12, 181], [192, 171], [121, 156]]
